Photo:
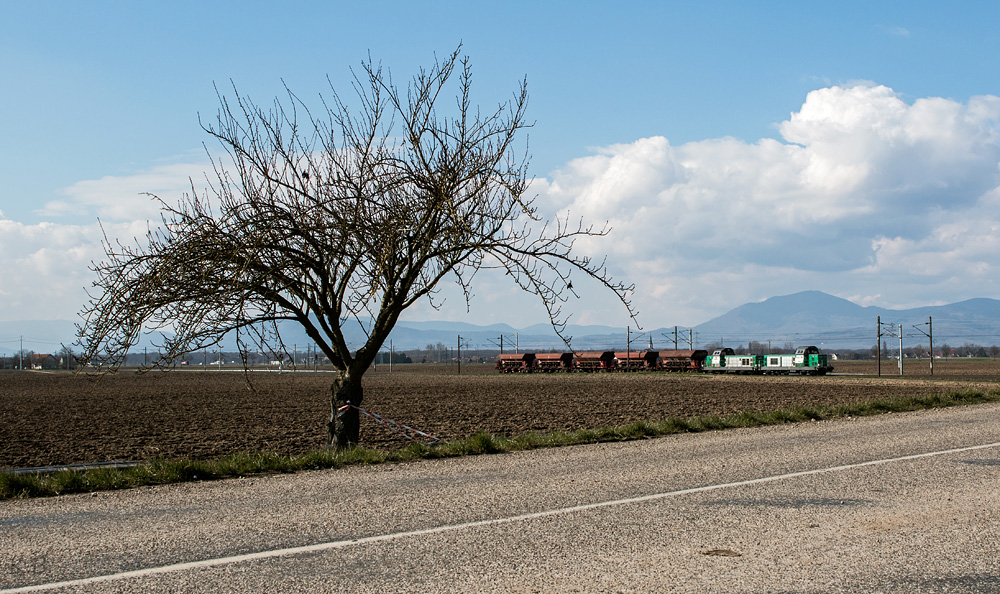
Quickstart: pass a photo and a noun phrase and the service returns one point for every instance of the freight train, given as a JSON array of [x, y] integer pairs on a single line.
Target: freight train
[[806, 361]]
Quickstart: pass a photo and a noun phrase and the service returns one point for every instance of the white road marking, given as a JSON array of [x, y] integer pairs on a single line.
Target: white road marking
[[340, 544]]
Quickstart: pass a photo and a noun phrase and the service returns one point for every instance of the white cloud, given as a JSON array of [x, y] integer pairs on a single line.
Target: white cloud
[[867, 195], [867, 141], [126, 198], [46, 266]]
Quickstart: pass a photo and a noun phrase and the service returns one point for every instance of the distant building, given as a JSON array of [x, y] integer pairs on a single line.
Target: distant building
[[44, 361]]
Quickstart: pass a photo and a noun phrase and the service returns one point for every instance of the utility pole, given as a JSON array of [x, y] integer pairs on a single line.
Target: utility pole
[[930, 335], [900, 349], [675, 338], [878, 343], [459, 351], [894, 331]]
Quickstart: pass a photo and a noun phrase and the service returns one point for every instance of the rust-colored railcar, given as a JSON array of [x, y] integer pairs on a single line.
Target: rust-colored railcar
[[516, 363], [637, 360], [553, 362], [692, 360], [595, 361]]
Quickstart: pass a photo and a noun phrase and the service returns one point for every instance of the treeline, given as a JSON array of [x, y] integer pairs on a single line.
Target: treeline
[[28, 359], [306, 359], [944, 351]]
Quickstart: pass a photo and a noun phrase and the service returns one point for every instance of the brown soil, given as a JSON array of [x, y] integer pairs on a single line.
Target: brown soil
[[58, 418]]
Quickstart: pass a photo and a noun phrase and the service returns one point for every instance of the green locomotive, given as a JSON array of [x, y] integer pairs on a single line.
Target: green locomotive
[[806, 361]]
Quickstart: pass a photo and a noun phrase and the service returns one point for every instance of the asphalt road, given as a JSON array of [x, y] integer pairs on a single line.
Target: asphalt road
[[896, 503]]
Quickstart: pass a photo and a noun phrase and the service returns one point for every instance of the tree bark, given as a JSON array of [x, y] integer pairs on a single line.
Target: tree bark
[[343, 430]]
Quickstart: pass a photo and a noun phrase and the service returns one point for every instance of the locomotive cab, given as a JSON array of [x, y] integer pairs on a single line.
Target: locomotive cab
[[717, 360], [812, 360]]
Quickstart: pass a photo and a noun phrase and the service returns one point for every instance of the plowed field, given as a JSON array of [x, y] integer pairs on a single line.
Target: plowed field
[[58, 418]]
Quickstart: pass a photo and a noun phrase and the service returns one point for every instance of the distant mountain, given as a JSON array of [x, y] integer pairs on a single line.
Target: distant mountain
[[806, 318], [808, 311], [805, 314], [818, 318]]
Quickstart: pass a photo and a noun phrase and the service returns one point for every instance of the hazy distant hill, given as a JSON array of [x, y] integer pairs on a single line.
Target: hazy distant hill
[[809, 317], [816, 317]]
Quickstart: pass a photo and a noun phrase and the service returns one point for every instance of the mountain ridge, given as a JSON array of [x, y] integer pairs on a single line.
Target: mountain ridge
[[812, 317]]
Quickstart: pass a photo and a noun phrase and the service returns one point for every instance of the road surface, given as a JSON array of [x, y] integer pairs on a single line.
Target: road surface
[[895, 503]]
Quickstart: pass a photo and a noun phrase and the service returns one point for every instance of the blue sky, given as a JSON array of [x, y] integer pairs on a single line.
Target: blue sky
[[740, 150]]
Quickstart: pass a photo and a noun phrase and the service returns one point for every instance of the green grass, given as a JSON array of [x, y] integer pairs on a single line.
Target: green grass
[[160, 472]]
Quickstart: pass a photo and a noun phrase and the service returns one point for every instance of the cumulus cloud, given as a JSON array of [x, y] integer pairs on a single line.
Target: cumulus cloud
[[127, 197], [864, 195], [46, 266]]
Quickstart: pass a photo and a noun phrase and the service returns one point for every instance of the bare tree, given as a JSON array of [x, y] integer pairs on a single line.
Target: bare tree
[[66, 357], [349, 215]]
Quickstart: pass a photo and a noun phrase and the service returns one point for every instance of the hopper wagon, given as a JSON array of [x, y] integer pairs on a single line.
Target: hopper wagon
[[637, 360], [675, 360], [553, 362], [516, 363], [595, 361]]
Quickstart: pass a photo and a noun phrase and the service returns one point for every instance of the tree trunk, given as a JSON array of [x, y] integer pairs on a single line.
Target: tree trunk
[[343, 430]]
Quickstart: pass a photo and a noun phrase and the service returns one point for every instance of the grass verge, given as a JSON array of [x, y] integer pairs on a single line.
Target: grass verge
[[160, 472]]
